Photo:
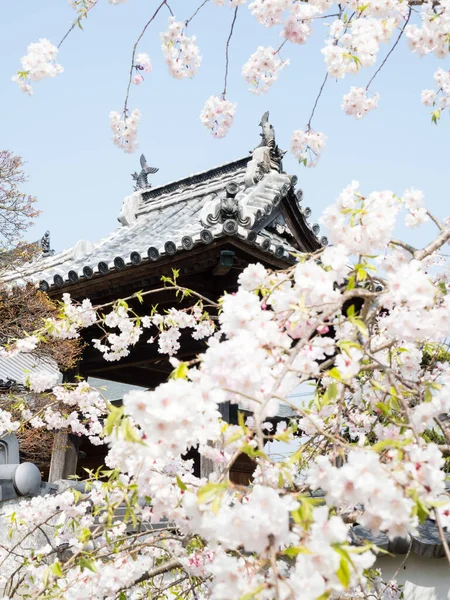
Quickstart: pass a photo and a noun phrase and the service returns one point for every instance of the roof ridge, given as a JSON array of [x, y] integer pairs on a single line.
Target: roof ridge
[[195, 178]]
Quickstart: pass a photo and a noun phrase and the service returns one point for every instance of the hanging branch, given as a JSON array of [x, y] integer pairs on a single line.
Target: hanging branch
[[77, 21], [280, 46], [163, 3], [197, 11], [392, 49], [308, 126], [227, 47]]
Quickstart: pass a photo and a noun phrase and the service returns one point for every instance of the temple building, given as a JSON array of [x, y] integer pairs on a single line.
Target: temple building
[[208, 226]]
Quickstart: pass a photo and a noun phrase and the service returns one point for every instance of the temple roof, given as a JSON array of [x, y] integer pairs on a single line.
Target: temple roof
[[193, 211]]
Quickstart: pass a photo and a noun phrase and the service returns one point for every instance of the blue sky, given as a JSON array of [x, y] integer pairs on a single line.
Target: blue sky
[[80, 178]]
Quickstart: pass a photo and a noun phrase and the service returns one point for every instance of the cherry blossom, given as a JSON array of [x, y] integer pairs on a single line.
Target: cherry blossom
[[39, 63], [180, 51], [307, 146], [262, 68], [143, 63], [218, 115], [125, 130], [357, 103]]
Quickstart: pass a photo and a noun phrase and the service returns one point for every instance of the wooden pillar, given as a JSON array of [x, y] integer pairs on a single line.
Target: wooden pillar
[[207, 466], [64, 459], [229, 415], [64, 456]]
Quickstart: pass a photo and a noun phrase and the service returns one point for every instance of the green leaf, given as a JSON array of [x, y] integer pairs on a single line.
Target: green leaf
[[252, 452], [351, 310], [241, 421], [253, 594], [295, 551], [181, 371], [361, 326], [56, 568], [335, 374], [209, 491], [129, 433], [361, 274], [87, 563], [139, 296], [344, 573], [435, 116], [113, 419], [380, 446], [421, 511], [181, 484], [383, 408]]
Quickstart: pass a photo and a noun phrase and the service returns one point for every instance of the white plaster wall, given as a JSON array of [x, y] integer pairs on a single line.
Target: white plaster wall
[[423, 578]]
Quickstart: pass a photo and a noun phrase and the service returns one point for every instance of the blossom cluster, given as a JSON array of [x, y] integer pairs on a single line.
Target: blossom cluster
[[115, 346], [432, 36], [361, 230], [307, 146], [439, 98], [218, 115], [354, 45], [262, 68], [297, 27], [180, 51], [125, 129], [268, 13], [380, 486], [73, 317], [357, 103], [142, 65], [37, 64]]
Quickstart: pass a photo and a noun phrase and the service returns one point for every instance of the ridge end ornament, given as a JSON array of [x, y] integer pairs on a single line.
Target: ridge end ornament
[[141, 179], [266, 157]]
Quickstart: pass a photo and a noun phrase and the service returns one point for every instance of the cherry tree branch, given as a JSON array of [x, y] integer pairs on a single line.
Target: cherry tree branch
[[196, 12], [77, 21], [442, 238], [170, 565], [435, 221], [308, 126], [227, 48], [391, 50], [133, 54], [404, 245]]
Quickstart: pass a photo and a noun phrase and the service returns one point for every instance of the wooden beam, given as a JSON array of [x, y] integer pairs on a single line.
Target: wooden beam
[[64, 457]]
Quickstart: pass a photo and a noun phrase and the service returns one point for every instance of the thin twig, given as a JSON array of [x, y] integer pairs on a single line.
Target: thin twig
[[435, 221], [280, 46], [317, 100], [125, 107], [227, 47], [197, 11], [391, 50], [169, 9], [404, 245], [77, 22], [442, 535]]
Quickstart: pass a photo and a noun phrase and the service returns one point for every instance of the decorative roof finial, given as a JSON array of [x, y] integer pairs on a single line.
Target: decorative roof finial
[[141, 179], [266, 157], [45, 244], [267, 131]]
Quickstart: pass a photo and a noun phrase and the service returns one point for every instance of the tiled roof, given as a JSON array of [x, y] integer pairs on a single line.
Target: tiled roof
[[163, 220], [17, 368]]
